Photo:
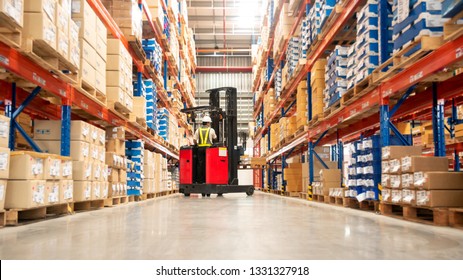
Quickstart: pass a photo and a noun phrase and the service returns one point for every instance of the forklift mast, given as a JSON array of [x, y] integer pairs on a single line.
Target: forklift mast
[[231, 127]]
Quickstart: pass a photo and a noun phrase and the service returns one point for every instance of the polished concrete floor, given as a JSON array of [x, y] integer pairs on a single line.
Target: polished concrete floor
[[231, 227]]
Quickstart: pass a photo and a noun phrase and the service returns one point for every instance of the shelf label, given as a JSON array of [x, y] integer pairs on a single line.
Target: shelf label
[[352, 112], [4, 60], [340, 119], [62, 92], [458, 52], [100, 114], [416, 77], [387, 92], [365, 105], [38, 79], [113, 121], [84, 105]]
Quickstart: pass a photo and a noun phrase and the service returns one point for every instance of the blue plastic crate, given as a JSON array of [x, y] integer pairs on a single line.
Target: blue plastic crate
[[421, 10], [419, 28]]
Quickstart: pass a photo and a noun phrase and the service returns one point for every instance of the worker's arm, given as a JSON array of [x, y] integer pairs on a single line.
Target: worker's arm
[[213, 135]]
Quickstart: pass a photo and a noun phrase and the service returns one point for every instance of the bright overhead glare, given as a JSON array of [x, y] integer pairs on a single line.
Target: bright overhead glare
[[249, 12]]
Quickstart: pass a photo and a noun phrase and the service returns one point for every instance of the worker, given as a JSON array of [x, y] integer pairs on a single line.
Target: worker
[[203, 138]]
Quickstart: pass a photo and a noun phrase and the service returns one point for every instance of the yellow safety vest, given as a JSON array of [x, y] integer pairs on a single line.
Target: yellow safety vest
[[204, 140]]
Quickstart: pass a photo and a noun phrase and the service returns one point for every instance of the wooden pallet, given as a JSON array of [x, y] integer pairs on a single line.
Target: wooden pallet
[[91, 92], [348, 97], [303, 195], [47, 57], [336, 200], [2, 218], [365, 205], [14, 217], [400, 60], [456, 217], [316, 119], [333, 109], [291, 194], [425, 215], [10, 31], [114, 201], [137, 47], [452, 29], [320, 198], [119, 109], [89, 205], [257, 166]]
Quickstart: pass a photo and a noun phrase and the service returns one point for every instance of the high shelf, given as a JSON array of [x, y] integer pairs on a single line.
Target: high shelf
[[422, 88], [68, 102]]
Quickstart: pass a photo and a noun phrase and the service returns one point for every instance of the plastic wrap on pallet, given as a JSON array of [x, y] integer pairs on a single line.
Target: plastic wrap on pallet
[[450, 8], [293, 54], [335, 75], [134, 151], [154, 53], [414, 19], [162, 123]]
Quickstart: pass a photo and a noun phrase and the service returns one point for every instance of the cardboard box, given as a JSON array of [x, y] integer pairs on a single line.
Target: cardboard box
[[87, 73], [96, 191], [82, 170], [439, 198], [82, 190], [66, 191], [407, 181], [115, 161], [94, 152], [122, 176], [4, 163], [409, 197], [115, 79], [87, 29], [386, 194], [395, 166], [52, 168], [45, 7], [24, 194], [27, 166], [330, 175], [62, 19], [88, 52], [96, 171], [116, 146], [74, 53], [66, 168], [102, 154], [80, 151], [52, 192], [101, 49], [398, 152], [115, 94], [104, 189], [100, 82], [438, 180], [395, 181], [422, 163], [113, 175], [3, 185], [115, 133], [13, 10], [396, 196], [62, 45], [40, 27], [4, 131], [51, 130]]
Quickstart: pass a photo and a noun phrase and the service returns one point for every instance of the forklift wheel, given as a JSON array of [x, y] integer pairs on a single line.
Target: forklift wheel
[[208, 195], [203, 194], [186, 194], [250, 191], [220, 194]]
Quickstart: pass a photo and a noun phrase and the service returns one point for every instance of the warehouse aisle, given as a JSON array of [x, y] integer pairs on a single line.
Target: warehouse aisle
[[232, 227]]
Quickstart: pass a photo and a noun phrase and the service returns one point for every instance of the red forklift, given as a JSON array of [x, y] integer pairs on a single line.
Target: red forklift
[[220, 172]]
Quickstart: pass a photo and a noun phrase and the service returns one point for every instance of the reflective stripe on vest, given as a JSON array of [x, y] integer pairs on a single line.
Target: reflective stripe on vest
[[204, 138]]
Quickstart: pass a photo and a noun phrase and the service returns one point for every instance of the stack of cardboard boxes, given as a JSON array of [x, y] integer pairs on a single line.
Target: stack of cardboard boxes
[[116, 161], [48, 23], [317, 81], [301, 104], [92, 41], [4, 158], [119, 87], [324, 153], [283, 28], [135, 153], [127, 16], [329, 179], [149, 185], [412, 179], [269, 102], [293, 177], [87, 154]]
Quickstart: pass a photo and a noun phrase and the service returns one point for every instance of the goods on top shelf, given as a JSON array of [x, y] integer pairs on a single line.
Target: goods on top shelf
[[128, 17]]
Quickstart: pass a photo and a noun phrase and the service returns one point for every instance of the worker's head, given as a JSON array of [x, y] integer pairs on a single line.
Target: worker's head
[[207, 120]]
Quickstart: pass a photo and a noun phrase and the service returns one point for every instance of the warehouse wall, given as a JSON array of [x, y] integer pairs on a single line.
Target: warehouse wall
[[242, 81]]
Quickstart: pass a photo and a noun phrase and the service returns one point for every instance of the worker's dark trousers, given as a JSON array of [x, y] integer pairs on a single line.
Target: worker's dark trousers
[[201, 174]]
